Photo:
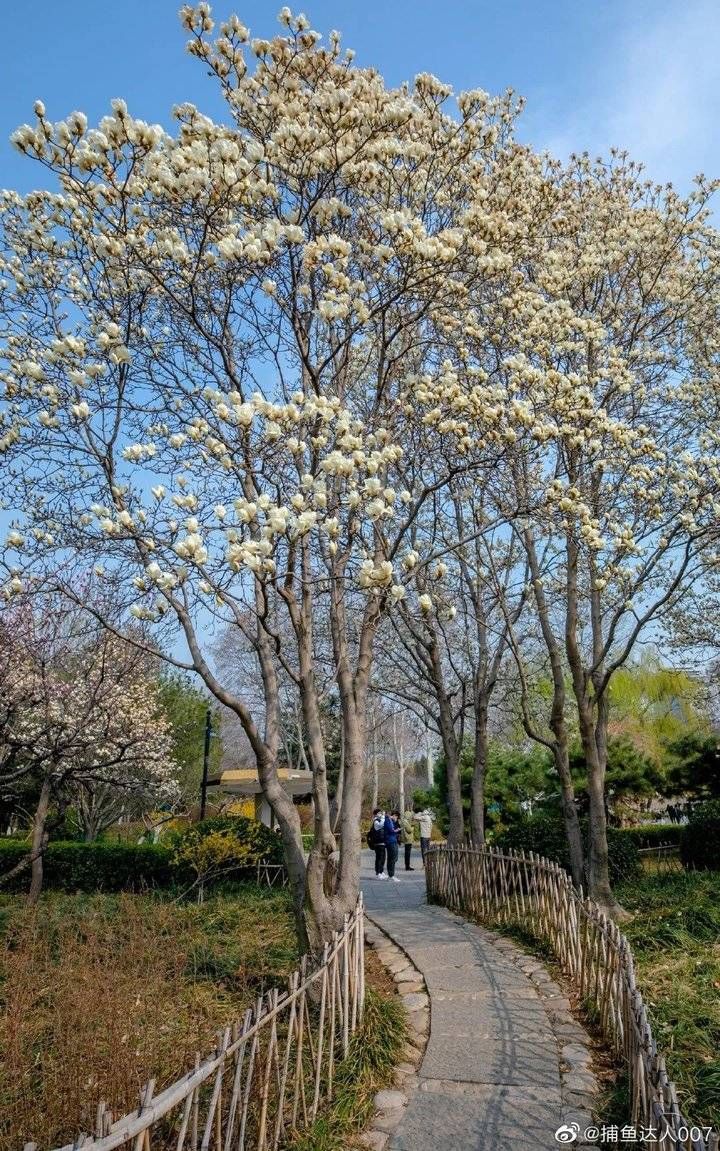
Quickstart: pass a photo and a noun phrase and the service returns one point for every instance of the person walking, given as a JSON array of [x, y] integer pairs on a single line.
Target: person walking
[[376, 841], [408, 826], [425, 820], [392, 835]]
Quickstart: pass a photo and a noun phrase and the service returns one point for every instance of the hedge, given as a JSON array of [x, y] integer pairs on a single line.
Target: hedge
[[93, 866], [117, 866], [700, 843], [654, 834], [545, 834]]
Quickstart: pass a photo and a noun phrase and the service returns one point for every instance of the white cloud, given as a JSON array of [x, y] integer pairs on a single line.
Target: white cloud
[[654, 92]]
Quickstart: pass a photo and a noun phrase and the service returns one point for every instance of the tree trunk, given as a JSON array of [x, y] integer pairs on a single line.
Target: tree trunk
[[451, 748], [593, 745], [569, 810], [477, 806], [558, 725], [401, 787], [39, 841], [399, 748], [599, 887], [332, 883], [337, 802], [429, 765], [374, 800], [456, 828]]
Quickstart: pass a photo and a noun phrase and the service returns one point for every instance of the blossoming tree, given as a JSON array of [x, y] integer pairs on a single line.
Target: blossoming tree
[[211, 377], [613, 488], [80, 719]]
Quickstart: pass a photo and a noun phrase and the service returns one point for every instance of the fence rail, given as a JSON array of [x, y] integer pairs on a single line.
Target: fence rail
[[538, 895], [268, 1074]]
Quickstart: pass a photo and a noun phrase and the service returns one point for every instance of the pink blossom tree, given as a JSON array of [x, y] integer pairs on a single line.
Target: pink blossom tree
[[80, 719]]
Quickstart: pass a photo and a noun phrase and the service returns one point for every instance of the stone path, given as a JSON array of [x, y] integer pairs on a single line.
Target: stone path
[[505, 1064]]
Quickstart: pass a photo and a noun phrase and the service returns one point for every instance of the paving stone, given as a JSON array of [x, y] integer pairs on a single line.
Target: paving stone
[[389, 1121], [419, 1026], [478, 977], [559, 1006], [576, 1055], [571, 1033], [386, 957], [412, 1055], [442, 955], [550, 988], [491, 1119], [584, 1119], [505, 1060], [374, 1140], [415, 1000], [580, 1082], [389, 1100], [410, 988], [485, 1014], [578, 1100]]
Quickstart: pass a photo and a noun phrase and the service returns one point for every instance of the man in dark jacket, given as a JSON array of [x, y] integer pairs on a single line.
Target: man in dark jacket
[[392, 836]]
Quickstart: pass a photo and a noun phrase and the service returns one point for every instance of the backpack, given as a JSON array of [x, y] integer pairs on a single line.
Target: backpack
[[376, 835]]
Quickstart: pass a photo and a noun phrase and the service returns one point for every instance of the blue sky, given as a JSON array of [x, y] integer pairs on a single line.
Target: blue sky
[[644, 75]]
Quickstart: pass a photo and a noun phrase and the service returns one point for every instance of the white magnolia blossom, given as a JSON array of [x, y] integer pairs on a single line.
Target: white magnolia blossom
[[251, 367]]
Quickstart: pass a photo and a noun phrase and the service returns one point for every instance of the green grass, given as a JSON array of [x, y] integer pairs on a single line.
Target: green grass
[[675, 938], [375, 1050]]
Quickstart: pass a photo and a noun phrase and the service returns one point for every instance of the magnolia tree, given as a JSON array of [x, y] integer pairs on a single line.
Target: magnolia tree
[[470, 589], [80, 721], [613, 491], [229, 371], [282, 373]]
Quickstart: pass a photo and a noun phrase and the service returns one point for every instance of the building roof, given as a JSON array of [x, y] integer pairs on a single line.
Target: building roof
[[245, 781]]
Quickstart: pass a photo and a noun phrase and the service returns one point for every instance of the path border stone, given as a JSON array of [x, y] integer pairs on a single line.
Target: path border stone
[[579, 1085], [390, 1104]]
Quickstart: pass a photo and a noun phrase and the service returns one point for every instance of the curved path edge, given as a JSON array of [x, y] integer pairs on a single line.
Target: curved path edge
[[506, 1064]]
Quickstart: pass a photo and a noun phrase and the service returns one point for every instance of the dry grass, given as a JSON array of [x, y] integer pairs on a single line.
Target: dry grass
[[100, 993], [375, 1050]]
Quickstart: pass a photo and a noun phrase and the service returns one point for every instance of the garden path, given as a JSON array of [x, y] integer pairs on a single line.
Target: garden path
[[490, 1079]]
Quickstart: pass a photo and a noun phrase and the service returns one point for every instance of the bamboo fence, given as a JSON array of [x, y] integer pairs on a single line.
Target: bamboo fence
[[271, 874], [268, 1074], [523, 889]]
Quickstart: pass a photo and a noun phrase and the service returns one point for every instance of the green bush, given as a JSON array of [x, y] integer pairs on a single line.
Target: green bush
[[700, 843], [117, 866], [545, 835], [224, 848], [93, 866], [259, 841], [653, 834]]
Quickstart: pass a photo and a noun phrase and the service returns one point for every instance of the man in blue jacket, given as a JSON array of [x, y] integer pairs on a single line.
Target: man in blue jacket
[[392, 835]]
